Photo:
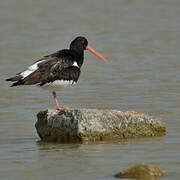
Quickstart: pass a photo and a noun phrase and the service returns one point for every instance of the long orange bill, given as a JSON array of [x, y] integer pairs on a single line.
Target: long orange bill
[[96, 53]]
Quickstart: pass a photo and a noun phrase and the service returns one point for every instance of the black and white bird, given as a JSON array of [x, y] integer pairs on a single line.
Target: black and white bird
[[58, 70]]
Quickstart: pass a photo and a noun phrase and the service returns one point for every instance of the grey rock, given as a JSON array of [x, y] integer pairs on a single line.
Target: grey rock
[[80, 125]]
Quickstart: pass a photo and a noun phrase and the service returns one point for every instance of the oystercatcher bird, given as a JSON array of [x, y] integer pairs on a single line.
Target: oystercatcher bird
[[57, 70]]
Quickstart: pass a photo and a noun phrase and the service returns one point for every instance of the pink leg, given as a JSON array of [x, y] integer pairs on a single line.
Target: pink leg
[[56, 101]]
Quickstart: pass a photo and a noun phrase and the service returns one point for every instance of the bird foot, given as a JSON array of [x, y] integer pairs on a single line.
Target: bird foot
[[59, 109]]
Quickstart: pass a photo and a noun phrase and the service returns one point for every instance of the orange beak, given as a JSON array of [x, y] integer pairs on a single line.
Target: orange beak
[[96, 53]]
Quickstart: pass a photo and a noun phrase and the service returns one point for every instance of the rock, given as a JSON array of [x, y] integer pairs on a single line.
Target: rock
[[142, 170], [79, 125]]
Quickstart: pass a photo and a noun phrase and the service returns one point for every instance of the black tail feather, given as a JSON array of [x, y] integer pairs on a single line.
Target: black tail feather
[[18, 83], [15, 78]]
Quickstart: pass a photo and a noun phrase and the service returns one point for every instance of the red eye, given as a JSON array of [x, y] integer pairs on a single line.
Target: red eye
[[82, 42]]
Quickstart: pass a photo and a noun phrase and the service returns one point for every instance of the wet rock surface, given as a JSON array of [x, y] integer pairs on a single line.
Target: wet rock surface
[[142, 170], [79, 125]]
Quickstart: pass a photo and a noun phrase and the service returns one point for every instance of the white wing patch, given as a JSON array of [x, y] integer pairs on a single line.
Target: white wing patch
[[30, 69], [57, 84]]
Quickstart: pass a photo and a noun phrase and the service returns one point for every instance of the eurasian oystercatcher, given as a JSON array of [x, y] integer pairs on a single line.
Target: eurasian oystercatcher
[[57, 70]]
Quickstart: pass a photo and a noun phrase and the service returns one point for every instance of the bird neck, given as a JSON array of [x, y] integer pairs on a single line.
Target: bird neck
[[79, 56]]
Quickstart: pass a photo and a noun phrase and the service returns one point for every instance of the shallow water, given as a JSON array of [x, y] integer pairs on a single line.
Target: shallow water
[[141, 41]]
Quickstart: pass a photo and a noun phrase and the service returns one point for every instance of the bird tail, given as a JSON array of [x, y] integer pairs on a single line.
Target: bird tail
[[17, 78]]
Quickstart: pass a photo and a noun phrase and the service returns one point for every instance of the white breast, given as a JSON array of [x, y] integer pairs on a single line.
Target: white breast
[[75, 64], [57, 84]]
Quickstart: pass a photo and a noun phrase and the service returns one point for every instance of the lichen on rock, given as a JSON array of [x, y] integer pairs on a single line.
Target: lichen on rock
[[142, 170]]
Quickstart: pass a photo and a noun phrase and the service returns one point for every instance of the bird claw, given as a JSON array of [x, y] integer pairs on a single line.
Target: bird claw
[[59, 109]]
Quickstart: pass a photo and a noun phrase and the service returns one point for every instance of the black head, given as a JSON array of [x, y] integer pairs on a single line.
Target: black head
[[79, 44]]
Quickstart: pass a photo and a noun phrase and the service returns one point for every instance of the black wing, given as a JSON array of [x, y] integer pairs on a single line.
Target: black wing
[[57, 66]]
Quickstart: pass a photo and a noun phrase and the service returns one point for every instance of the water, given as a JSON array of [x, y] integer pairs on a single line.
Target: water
[[141, 41]]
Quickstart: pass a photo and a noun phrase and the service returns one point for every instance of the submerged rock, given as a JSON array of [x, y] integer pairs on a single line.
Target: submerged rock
[[79, 125], [142, 170]]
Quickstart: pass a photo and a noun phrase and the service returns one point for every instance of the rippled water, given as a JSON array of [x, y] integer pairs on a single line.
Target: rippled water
[[140, 39]]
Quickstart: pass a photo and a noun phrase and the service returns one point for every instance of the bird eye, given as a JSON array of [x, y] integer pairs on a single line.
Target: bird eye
[[82, 42]]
